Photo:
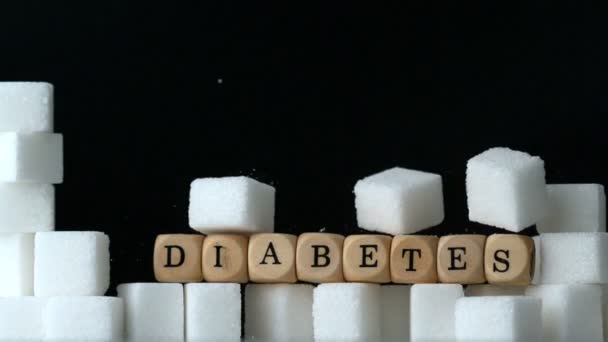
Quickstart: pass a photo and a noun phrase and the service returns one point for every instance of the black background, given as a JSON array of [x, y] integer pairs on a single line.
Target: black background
[[308, 98]]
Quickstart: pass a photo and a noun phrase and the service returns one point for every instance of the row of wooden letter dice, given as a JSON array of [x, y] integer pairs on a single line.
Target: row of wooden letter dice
[[505, 259]]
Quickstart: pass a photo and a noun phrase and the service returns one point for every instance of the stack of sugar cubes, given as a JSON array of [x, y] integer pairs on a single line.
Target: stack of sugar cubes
[[52, 282]]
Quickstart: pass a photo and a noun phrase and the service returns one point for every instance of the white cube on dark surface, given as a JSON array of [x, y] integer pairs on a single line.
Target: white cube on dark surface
[[231, 204], [498, 318], [432, 311], [27, 208], [481, 290], [570, 312], [399, 201], [278, 312], [71, 264], [574, 208], [506, 189], [31, 158], [153, 311], [16, 264], [84, 319], [574, 258], [26, 107], [213, 312], [22, 319], [395, 312], [347, 312]]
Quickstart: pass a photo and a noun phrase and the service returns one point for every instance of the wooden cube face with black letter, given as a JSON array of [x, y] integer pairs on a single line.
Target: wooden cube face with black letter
[[366, 258], [225, 258], [414, 259], [509, 259], [272, 258], [319, 258], [460, 259], [177, 258]]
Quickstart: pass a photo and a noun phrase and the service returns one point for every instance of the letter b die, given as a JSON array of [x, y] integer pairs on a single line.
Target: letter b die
[[177, 258], [319, 258]]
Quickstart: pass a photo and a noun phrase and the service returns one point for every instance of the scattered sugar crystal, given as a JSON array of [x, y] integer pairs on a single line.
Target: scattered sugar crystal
[[432, 311], [22, 319], [213, 312], [395, 312], [347, 312], [71, 264], [501, 318], [153, 311], [31, 158], [399, 201], [26, 107], [281, 312], [27, 208], [231, 204], [506, 189], [17, 264], [493, 290], [574, 208]]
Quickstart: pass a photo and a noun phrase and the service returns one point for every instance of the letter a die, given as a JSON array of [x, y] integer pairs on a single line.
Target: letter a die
[[272, 258], [460, 259], [509, 259], [366, 258], [319, 258], [177, 258]]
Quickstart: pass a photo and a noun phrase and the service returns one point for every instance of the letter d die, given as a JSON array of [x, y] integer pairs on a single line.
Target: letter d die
[[177, 258]]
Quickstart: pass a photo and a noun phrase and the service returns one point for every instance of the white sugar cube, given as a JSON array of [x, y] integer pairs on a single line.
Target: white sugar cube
[[31, 158], [347, 312], [26, 107], [506, 189], [502, 319], [281, 312], [399, 201], [605, 310], [570, 312], [27, 208], [84, 319], [574, 208], [16, 264], [538, 265], [574, 258], [71, 264], [231, 204], [22, 318], [153, 311], [395, 312], [493, 290], [432, 311], [213, 312]]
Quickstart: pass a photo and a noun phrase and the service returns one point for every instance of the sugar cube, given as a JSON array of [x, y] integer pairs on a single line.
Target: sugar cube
[[432, 311], [506, 189], [395, 312], [31, 157], [84, 319], [153, 311], [574, 258], [605, 310], [231, 204], [26, 107], [570, 312], [27, 208], [281, 312], [213, 312], [498, 319], [17, 264], [574, 208], [399, 201], [71, 264], [493, 290], [22, 318], [347, 312], [536, 277]]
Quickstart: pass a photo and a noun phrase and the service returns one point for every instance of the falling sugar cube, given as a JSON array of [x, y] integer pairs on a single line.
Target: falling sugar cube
[[71, 264], [22, 319], [574, 208], [231, 204], [279, 312], [27, 208], [395, 312], [26, 107], [399, 201], [506, 189], [17, 264], [432, 311], [213, 312], [153, 311]]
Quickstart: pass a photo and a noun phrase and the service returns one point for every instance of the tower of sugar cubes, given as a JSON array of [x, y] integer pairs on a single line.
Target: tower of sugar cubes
[[52, 283]]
